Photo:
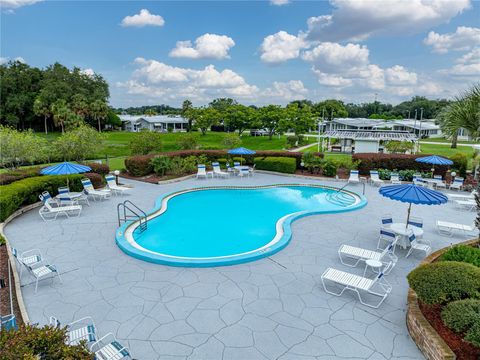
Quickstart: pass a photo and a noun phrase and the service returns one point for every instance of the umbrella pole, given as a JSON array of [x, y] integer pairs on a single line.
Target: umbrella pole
[[408, 215]]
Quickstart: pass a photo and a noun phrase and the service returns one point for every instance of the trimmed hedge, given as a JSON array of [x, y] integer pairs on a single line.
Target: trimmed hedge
[[26, 191], [463, 316], [101, 169], [463, 253], [141, 165], [445, 281], [278, 164], [370, 161], [18, 174]]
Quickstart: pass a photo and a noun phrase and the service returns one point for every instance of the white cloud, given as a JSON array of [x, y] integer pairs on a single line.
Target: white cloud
[[279, 2], [333, 57], [360, 19], [144, 18], [88, 72], [331, 79], [15, 4], [397, 75], [463, 39], [467, 66], [287, 91], [156, 72], [281, 47], [207, 46], [4, 60]]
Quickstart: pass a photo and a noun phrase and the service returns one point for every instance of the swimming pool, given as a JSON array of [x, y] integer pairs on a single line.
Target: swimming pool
[[228, 225]]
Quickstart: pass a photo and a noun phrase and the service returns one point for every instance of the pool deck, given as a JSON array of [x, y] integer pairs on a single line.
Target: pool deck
[[273, 308]]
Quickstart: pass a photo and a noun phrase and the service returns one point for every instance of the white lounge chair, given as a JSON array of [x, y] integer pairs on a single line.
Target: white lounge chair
[[457, 183], [49, 212], [415, 244], [43, 271], [103, 193], [358, 255], [201, 171], [353, 178], [217, 171], [386, 236], [375, 179], [395, 178], [418, 180], [108, 348], [439, 183], [112, 185], [466, 204], [359, 284], [81, 329], [71, 198], [27, 258], [448, 228], [470, 196]]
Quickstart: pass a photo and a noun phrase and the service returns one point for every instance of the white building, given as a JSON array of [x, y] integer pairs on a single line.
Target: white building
[[161, 123]]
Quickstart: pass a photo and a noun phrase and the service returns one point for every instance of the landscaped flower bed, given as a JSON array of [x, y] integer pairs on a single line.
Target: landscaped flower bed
[[447, 288]]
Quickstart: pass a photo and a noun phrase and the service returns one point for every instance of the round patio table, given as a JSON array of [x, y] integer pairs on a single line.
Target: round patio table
[[403, 231]]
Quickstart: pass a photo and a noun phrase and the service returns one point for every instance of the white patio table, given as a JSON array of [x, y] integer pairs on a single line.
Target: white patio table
[[402, 230]]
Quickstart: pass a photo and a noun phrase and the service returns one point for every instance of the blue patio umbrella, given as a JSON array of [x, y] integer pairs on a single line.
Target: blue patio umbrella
[[65, 168], [435, 160], [413, 194], [241, 151]]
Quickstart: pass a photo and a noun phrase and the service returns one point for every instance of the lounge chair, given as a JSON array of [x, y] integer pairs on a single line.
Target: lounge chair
[[395, 178], [466, 204], [375, 179], [439, 183], [457, 183], [386, 236], [448, 228], [353, 178], [27, 258], [81, 329], [48, 212], [43, 271], [359, 284], [108, 348], [66, 197], [470, 196], [201, 171], [252, 170], [387, 220], [358, 255], [418, 180], [103, 193], [415, 244], [112, 185], [217, 171]]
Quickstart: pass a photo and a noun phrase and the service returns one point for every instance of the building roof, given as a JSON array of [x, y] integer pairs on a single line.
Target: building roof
[[154, 119], [427, 124], [374, 135]]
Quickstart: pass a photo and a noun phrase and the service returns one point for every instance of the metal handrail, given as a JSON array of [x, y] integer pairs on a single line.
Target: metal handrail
[[344, 186], [135, 210]]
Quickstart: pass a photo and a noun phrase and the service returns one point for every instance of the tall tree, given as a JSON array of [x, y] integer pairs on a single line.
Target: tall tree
[[299, 119], [99, 111], [41, 108], [269, 118], [222, 104], [186, 107], [205, 118], [79, 105], [60, 113], [331, 109], [239, 117]]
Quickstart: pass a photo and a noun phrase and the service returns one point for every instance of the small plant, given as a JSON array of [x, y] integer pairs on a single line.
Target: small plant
[[329, 168], [231, 141], [146, 142], [460, 163], [462, 253], [292, 141], [101, 169], [2, 240], [463, 316], [445, 281], [161, 164], [188, 142]]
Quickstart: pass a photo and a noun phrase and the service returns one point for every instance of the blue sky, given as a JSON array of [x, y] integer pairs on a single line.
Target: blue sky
[[255, 51]]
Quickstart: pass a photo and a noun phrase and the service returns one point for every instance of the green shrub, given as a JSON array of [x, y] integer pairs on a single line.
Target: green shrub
[[311, 161], [146, 142], [292, 141], [461, 315], [31, 343], [329, 168], [460, 163], [161, 164], [18, 174], [231, 141], [2, 240], [101, 169], [445, 281], [473, 335], [96, 179], [177, 166], [188, 141], [283, 165], [462, 253], [26, 191], [139, 165]]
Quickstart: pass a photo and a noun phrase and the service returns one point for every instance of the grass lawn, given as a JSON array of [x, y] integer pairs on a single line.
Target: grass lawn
[[443, 140]]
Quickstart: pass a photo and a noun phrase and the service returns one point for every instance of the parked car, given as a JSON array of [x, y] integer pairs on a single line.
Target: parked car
[[259, 132]]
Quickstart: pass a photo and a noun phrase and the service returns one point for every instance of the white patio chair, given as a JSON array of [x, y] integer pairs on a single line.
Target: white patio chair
[[387, 220], [395, 178], [217, 171], [71, 198], [386, 236], [81, 329], [252, 170], [353, 178], [359, 284], [457, 183], [415, 244], [359, 255], [48, 212], [375, 178], [112, 185], [103, 193], [43, 271], [108, 348], [470, 196], [201, 171], [448, 228], [466, 204], [418, 180], [244, 172], [417, 222], [27, 258], [439, 183]]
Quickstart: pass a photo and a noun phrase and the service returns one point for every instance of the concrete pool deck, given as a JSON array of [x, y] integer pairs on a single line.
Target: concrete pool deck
[[273, 308]]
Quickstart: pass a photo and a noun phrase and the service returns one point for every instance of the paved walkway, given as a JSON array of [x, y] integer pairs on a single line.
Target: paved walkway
[[274, 308]]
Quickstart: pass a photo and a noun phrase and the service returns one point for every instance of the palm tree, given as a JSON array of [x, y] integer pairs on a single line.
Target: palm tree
[[61, 113], [40, 107], [99, 111], [186, 107], [80, 105], [150, 112], [463, 112]]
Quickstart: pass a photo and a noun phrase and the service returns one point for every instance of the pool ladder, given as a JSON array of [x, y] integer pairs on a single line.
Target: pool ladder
[[131, 211]]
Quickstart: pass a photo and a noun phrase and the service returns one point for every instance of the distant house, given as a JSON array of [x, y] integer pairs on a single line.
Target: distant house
[[161, 123]]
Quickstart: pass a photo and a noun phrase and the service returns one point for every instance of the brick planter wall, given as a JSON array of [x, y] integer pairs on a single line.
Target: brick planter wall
[[425, 336]]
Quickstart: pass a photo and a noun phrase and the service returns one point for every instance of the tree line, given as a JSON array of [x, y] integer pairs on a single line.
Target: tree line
[[53, 98]]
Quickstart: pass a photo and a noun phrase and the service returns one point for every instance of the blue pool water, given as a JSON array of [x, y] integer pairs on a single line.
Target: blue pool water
[[232, 224]]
